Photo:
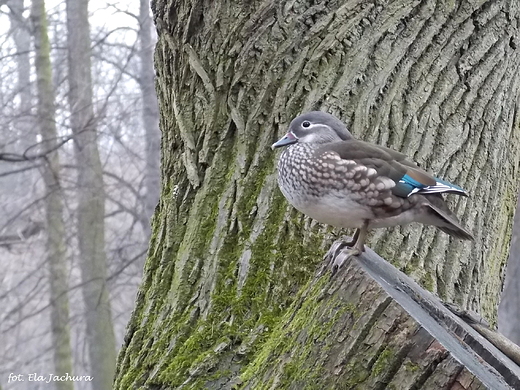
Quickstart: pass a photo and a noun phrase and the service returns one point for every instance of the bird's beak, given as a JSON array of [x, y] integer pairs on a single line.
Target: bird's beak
[[288, 139]]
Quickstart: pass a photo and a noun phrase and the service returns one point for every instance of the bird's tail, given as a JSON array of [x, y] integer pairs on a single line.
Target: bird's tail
[[446, 219]]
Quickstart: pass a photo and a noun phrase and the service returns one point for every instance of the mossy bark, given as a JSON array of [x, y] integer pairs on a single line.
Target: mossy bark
[[436, 80], [372, 327]]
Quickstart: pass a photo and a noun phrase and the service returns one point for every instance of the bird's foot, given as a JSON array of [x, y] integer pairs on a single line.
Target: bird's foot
[[338, 253], [337, 246], [341, 257]]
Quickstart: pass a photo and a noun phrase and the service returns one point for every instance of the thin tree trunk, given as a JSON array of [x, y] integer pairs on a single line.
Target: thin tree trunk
[[91, 199], [56, 247], [150, 115], [24, 124], [22, 39], [436, 80]]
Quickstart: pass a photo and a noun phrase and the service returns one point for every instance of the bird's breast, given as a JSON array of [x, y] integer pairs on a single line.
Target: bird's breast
[[311, 187]]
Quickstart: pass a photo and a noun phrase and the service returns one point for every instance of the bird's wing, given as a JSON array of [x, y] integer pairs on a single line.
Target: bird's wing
[[409, 179]]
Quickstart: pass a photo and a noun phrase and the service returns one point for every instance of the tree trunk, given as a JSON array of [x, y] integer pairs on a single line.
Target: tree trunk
[[372, 327], [24, 124], [437, 81], [56, 247], [22, 39], [150, 115], [91, 199]]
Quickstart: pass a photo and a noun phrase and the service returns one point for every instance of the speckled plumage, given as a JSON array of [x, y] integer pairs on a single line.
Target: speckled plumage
[[328, 175], [318, 182]]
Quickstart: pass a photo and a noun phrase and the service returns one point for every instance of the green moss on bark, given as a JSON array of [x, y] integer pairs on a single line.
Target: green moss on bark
[[292, 355]]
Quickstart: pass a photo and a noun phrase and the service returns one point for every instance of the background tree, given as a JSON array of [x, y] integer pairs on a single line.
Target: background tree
[[24, 121], [55, 225], [436, 80], [150, 112], [25, 290], [91, 198]]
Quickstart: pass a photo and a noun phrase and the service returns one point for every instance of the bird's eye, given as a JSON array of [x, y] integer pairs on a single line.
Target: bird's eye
[[306, 124]]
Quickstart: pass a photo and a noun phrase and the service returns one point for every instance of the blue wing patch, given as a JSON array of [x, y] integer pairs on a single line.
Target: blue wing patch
[[408, 186], [407, 179]]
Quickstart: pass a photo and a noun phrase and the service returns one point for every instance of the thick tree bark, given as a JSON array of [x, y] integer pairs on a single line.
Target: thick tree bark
[[56, 247], [91, 199], [372, 327], [436, 80]]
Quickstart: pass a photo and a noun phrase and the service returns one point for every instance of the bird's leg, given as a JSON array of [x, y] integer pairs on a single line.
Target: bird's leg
[[336, 256], [359, 246], [352, 242], [356, 249], [338, 245]]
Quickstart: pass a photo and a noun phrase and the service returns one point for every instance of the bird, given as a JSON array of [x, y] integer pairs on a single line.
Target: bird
[[330, 176]]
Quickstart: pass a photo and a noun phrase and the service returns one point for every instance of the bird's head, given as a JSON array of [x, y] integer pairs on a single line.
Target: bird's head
[[314, 127]]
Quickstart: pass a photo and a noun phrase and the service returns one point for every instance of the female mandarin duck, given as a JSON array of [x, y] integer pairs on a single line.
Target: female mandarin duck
[[330, 176]]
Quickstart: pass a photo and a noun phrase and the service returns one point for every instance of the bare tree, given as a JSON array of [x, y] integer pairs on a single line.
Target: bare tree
[[91, 198], [22, 39], [218, 306], [150, 111], [55, 226], [21, 125]]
